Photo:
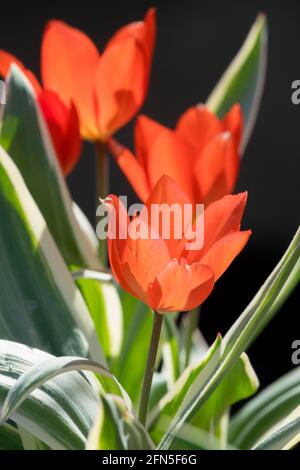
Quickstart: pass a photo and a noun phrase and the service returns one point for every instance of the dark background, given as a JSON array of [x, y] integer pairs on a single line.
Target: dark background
[[196, 41]]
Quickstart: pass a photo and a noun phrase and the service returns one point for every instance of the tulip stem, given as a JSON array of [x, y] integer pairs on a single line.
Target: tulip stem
[[102, 187], [152, 354]]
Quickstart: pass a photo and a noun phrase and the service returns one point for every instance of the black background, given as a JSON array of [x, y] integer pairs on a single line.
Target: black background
[[196, 41]]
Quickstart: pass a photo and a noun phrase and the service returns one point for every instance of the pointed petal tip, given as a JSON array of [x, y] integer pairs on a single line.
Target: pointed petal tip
[[244, 195], [143, 119], [151, 11], [115, 147], [53, 23]]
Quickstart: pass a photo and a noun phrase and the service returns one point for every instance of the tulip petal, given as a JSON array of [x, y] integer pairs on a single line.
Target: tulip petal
[[72, 142], [141, 261], [117, 230], [217, 168], [198, 126], [7, 59], [145, 258], [180, 287], [172, 156], [144, 30], [63, 124], [223, 252], [166, 191], [69, 60], [117, 224], [134, 262], [221, 218], [119, 85], [146, 130], [123, 74], [131, 167], [233, 122], [167, 213]]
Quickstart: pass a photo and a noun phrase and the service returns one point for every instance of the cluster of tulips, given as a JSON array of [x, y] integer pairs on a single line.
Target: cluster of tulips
[[86, 94], [89, 95]]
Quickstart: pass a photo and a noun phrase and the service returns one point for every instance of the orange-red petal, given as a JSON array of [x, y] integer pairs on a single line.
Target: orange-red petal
[[145, 259], [172, 156], [63, 125], [7, 59], [144, 31], [198, 126], [122, 75], [69, 60], [131, 168], [134, 262], [233, 122], [223, 252], [217, 168], [116, 240], [166, 210], [221, 218], [180, 287], [146, 130]]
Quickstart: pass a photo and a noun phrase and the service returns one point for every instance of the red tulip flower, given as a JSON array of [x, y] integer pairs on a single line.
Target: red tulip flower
[[108, 88], [62, 119], [201, 155], [162, 273]]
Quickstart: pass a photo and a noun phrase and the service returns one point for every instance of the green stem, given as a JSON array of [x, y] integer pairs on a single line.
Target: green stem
[[147, 382], [102, 187], [192, 323]]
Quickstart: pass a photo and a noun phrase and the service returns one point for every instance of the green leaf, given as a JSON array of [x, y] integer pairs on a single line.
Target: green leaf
[[193, 344], [62, 412], [283, 436], [192, 438], [31, 442], [255, 317], [116, 429], [104, 304], [10, 438], [170, 404], [159, 388], [240, 383], [87, 231], [170, 350], [199, 347], [45, 370], [266, 410], [129, 367], [107, 433], [24, 135], [101, 297], [243, 81], [39, 302]]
